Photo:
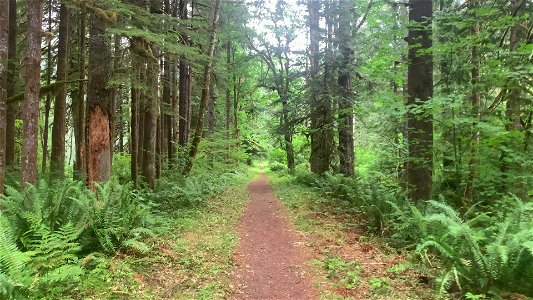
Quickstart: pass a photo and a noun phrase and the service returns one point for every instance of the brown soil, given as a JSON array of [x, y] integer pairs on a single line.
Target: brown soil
[[270, 262]]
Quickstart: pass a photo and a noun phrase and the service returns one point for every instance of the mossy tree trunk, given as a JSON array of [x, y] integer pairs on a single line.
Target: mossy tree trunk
[[30, 106]]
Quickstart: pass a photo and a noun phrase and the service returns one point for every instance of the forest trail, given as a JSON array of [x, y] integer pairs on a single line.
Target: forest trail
[[270, 264]]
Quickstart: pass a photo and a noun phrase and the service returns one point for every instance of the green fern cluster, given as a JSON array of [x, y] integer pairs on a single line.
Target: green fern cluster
[[481, 252], [119, 217], [354, 194], [45, 229], [176, 191]]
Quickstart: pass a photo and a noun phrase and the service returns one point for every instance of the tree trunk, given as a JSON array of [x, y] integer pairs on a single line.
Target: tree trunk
[[134, 122], [99, 105], [474, 103], [48, 99], [205, 92], [166, 108], [346, 140], [228, 91], [57, 158], [12, 108], [184, 87], [150, 125], [420, 89], [4, 38], [211, 117], [78, 108], [236, 86], [30, 106], [321, 118]]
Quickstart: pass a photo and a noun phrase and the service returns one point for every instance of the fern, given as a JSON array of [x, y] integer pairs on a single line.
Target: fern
[[482, 256]]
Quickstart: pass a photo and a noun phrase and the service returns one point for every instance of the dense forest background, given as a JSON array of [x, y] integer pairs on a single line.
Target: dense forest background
[[417, 114]]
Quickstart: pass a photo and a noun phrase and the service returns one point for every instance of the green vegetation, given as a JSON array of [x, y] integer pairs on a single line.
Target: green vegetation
[[475, 251], [399, 135], [60, 240]]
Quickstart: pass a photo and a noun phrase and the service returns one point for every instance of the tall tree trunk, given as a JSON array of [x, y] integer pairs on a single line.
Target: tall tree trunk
[[346, 140], [150, 125], [120, 125], [211, 117], [12, 108], [287, 134], [236, 86], [4, 38], [99, 105], [30, 106], [78, 108], [228, 91], [134, 122], [420, 89], [184, 86], [175, 110], [159, 146], [321, 116], [195, 145], [115, 91], [474, 103], [57, 158], [166, 108], [48, 99]]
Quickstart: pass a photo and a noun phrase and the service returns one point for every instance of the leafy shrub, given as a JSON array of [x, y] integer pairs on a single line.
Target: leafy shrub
[[49, 263], [355, 194], [122, 166], [175, 191], [277, 166], [44, 229], [119, 217], [277, 155], [481, 252]]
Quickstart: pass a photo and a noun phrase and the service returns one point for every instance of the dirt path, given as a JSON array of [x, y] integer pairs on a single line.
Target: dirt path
[[270, 264]]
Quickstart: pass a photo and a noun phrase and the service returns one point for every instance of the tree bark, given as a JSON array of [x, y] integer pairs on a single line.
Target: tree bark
[[78, 108], [205, 92], [420, 90], [48, 99], [346, 122], [211, 116], [228, 91], [4, 40], [57, 158], [134, 121], [184, 86], [12, 108], [30, 106], [99, 105], [475, 107], [236, 86], [166, 109], [151, 107], [321, 116]]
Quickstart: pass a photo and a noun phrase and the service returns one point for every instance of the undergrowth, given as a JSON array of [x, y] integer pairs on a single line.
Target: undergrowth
[[480, 252], [57, 234]]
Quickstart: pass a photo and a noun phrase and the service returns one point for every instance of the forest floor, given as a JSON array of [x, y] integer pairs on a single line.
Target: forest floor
[[267, 239]]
